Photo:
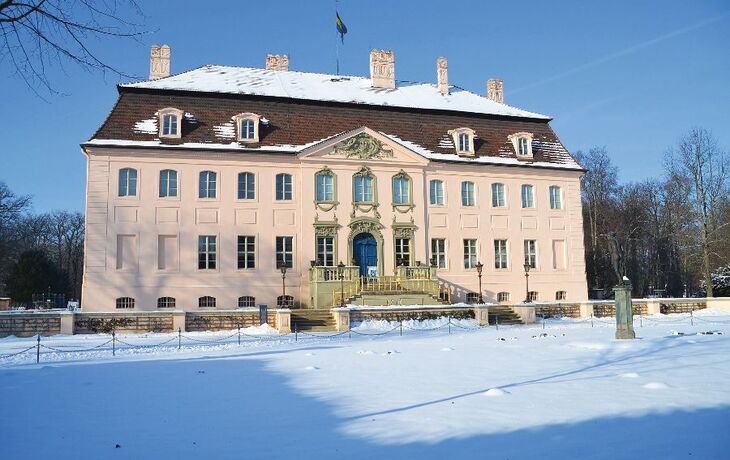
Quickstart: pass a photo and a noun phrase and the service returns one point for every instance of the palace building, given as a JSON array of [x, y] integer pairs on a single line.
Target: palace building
[[229, 187]]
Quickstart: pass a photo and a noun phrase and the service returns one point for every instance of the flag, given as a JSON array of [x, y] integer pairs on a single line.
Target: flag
[[341, 27]]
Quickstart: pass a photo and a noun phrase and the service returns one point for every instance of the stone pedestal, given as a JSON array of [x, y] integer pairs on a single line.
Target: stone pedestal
[[283, 320], [481, 314], [342, 319], [178, 320], [67, 323], [586, 309], [624, 312], [525, 312]]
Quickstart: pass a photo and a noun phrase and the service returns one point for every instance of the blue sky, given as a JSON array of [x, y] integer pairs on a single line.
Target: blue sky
[[629, 75]]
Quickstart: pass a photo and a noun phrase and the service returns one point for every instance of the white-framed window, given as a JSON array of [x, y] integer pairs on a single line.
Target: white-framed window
[[284, 187], [463, 140], [165, 302], [284, 251], [168, 183], [363, 189], [436, 194], [530, 247], [206, 302], [522, 143], [127, 182], [247, 126], [207, 252], [467, 194], [532, 296], [246, 251], [125, 303], [438, 252], [207, 183], [503, 296], [472, 297], [522, 146], [401, 189], [500, 254], [403, 252], [326, 251], [285, 301], [498, 200], [561, 295], [324, 182], [528, 196], [555, 197], [170, 122], [246, 301], [246, 186], [470, 253]]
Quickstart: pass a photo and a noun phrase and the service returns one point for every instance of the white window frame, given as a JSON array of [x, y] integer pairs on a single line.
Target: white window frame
[[124, 303], [168, 189], [166, 302], [524, 195], [246, 299], [127, 182], [243, 241], [328, 186], [503, 296], [561, 295], [499, 195], [170, 111], [327, 254], [456, 135], [501, 254], [439, 253], [471, 197], [530, 253], [471, 253], [363, 189], [556, 200], [517, 139], [284, 185], [285, 254], [242, 136], [207, 185], [209, 249], [207, 298], [436, 196], [242, 187], [402, 247]]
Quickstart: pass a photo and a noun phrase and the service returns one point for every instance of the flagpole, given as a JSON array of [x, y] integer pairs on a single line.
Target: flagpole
[[337, 45]]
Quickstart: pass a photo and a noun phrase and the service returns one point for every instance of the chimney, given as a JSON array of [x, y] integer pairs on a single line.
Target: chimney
[[159, 62], [277, 62], [494, 90], [382, 69], [442, 75]]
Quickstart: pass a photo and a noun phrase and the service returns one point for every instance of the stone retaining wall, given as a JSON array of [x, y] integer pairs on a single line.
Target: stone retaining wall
[[218, 321], [397, 314], [29, 324]]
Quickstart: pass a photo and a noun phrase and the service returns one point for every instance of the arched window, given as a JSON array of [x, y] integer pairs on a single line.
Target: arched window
[[284, 187], [125, 302], [206, 301], [522, 143], [208, 183], [472, 297], [498, 200], [363, 186], [401, 188], [437, 192], [170, 122], [246, 186], [324, 182], [467, 194], [464, 140], [247, 125], [528, 196], [127, 182], [561, 295], [503, 297], [168, 183], [285, 301], [532, 296], [555, 198], [246, 301], [166, 302], [523, 146]]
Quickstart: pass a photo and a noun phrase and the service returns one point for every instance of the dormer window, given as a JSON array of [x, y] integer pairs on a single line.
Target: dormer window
[[170, 122], [463, 140], [522, 143], [248, 127]]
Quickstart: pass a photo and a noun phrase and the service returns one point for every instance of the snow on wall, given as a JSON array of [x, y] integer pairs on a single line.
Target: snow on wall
[[225, 131], [148, 126]]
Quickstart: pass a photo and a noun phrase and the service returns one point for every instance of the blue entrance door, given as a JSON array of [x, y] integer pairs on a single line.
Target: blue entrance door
[[364, 250]]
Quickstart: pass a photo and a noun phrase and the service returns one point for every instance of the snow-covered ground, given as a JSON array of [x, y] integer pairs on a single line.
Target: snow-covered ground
[[521, 392]]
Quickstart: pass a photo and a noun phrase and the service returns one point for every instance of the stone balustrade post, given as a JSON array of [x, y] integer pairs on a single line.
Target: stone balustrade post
[[526, 313], [67, 323], [283, 320], [178, 320], [342, 319], [586, 309], [653, 306], [481, 314]]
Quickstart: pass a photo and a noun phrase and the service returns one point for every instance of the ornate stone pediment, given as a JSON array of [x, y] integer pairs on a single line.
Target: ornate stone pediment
[[364, 147]]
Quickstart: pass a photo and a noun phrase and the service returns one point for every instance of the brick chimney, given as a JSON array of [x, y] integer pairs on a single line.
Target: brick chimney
[[277, 62], [442, 75], [159, 62], [494, 90], [382, 69]]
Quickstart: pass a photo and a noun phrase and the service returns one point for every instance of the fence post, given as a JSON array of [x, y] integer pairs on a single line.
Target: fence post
[[641, 321], [691, 318], [449, 324], [239, 334], [542, 319], [296, 332], [179, 337], [591, 319], [496, 321], [114, 343], [38, 350], [401, 328]]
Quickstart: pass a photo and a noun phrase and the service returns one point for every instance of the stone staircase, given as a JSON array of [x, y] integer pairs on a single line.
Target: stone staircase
[[396, 298], [506, 315], [312, 319]]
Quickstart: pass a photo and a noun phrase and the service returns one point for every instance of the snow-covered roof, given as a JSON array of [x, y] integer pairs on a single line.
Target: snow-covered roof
[[330, 88]]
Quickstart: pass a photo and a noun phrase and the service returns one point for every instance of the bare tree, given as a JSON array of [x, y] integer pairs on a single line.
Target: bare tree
[[698, 158], [37, 34]]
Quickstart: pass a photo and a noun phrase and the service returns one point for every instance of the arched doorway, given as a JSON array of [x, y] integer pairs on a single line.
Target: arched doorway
[[365, 252]]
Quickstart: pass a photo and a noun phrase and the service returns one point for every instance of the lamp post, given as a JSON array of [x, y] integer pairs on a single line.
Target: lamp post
[[527, 267], [479, 267], [341, 274], [282, 267]]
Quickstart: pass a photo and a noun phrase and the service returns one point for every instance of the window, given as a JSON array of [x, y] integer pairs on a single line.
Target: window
[[467, 194], [500, 254], [246, 186], [326, 251], [528, 196], [167, 252], [363, 189], [438, 252], [284, 187], [497, 195], [470, 253], [437, 192], [206, 302], [284, 251], [170, 122], [561, 295], [531, 253], [246, 301], [401, 189], [472, 297], [168, 183], [532, 296], [166, 302], [555, 197], [464, 140], [522, 146], [522, 143], [247, 125], [169, 125], [503, 297], [285, 301], [403, 252], [246, 251], [125, 302], [324, 186], [127, 182], [206, 252], [207, 184]]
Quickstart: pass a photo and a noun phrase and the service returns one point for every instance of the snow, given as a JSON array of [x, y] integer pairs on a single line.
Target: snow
[[327, 87], [146, 126], [521, 392]]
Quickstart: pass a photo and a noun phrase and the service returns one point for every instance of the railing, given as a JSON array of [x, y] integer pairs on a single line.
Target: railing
[[349, 273], [421, 280]]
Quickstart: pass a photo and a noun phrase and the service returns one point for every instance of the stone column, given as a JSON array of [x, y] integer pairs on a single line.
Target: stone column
[[67, 323], [178, 320], [586, 309], [283, 320], [653, 306], [481, 314], [624, 312], [342, 319]]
